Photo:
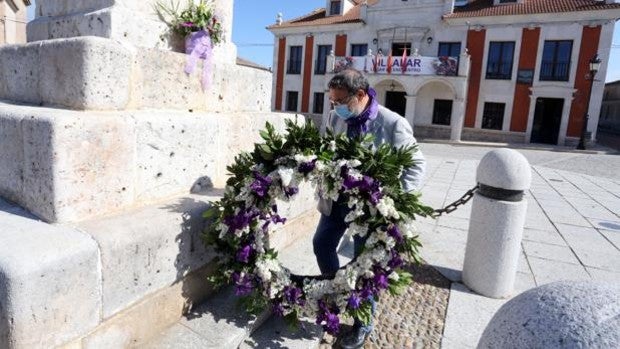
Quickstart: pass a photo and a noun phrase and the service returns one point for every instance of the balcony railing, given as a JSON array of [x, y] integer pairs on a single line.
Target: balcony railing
[[554, 71], [411, 65], [293, 66], [501, 71]]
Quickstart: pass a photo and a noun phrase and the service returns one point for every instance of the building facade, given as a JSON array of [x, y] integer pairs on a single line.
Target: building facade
[[517, 69], [13, 18], [610, 109]]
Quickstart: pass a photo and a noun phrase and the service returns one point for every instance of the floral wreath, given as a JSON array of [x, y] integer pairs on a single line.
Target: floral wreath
[[381, 212]]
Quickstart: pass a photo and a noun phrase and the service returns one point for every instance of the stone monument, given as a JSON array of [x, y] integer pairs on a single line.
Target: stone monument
[[104, 135]]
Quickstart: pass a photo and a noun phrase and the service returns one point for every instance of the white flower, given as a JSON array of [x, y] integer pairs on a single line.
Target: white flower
[[332, 145], [356, 229], [354, 214], [386, 208], [394, 276], [304, 158], [286, 175]]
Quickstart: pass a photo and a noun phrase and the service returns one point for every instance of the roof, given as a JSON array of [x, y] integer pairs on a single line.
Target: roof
[[248, 63], [320, 17], [483, 8]]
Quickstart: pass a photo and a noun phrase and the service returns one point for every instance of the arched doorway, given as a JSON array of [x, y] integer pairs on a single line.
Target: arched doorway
[[391, 94], [435, 104]]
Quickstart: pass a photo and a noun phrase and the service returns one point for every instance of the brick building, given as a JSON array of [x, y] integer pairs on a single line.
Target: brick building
[[517, 69]]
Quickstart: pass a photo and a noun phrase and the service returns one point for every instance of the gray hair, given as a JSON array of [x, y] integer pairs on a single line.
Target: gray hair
[[351, 80]]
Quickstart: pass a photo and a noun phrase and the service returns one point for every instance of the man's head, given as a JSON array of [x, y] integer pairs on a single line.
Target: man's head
[[348, 92]]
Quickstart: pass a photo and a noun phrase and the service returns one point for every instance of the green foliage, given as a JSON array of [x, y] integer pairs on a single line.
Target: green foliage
[[292, 320], [193, 18], [363, 313], [396, 287], [254, 303]]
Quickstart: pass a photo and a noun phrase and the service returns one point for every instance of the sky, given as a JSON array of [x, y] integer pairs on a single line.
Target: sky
[[255, 43]]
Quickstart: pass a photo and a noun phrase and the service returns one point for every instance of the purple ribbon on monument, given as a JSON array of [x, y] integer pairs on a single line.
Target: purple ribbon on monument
[[198, 46]]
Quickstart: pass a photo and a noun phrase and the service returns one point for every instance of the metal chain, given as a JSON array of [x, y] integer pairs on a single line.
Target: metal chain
[[453, 206]]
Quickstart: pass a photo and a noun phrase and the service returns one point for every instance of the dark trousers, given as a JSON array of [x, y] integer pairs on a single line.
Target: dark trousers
[[325, 242]]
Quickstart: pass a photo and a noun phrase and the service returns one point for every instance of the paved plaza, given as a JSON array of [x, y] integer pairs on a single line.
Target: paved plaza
[[572, 230]]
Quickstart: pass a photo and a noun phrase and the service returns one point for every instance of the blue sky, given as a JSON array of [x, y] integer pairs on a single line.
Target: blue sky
[[252, 16]]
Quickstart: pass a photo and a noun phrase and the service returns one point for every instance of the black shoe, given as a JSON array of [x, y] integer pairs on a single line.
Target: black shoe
[[354, 339]]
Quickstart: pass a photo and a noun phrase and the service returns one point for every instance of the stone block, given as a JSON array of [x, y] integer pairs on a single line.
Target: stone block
[[79, 164], [154, 247], [174, 150], [50, 8], [132, 22], [85, 73], [88, 164], [558, 315], [50, 283], [11, 156], [20, 73]]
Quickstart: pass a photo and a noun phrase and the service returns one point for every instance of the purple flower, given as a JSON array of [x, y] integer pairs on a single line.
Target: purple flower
[[332, 323], [240, 220], [278, 309], [261, 184], [291, 191], [328, 318], [243, 284], [306, 167], [354, 301], [187, 24], [275, 218], [293, 295], [396, 260], [243, 255], [394, 232], [350, 182], [380, 280], [367, 291]]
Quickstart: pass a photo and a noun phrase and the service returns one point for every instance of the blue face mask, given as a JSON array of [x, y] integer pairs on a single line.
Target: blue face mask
[[343, 111]]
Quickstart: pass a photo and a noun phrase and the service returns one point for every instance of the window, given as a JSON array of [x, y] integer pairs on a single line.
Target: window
[[291, 100], [450, 49], [334, 8], [442, 112], [399, 47], [507, 1], [319, 99], [321, 61], [294, 60], [499, 64], [555, 64], [493, 116], [358, 50]]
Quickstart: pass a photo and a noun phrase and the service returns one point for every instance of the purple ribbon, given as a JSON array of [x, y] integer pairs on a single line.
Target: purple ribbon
[[359, 125], [198, 46]]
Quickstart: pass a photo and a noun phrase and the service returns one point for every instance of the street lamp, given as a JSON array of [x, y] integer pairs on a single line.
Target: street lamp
[[595, 64]]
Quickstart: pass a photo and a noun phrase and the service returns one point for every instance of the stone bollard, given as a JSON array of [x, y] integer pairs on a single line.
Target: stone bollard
[[565, 314], [496, 223]]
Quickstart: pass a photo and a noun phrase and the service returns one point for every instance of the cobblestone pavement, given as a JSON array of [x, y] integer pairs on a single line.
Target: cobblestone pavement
[[413, 319]]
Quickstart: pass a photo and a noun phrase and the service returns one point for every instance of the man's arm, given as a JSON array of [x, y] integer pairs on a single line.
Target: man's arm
[[412, 176]]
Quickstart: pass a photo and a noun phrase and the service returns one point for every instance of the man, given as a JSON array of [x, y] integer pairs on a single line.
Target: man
[[357, 112]]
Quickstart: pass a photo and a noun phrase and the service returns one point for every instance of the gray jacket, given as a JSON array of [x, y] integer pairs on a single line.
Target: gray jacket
[[387, 127]]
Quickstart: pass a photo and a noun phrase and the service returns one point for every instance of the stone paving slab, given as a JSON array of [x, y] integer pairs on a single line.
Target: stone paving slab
[[572, 232]]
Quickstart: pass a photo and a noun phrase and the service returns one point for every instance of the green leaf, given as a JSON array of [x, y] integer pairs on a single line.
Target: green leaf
[[292, 320]]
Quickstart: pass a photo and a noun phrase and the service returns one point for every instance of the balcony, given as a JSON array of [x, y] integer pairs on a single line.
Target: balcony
[[554, 71]]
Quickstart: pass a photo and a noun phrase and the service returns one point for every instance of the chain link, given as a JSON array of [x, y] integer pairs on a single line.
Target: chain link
[[453, 206]]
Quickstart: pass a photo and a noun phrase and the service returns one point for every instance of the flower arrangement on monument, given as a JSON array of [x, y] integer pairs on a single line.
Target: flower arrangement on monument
[[200, 27], [382, 212]]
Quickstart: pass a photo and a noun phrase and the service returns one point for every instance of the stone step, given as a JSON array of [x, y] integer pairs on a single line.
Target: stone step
[[218, 323], [275, 333], [134, 274]]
